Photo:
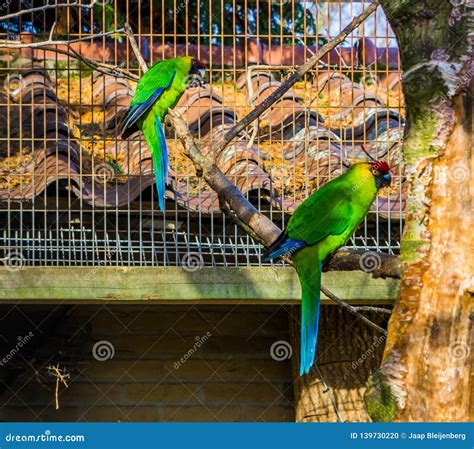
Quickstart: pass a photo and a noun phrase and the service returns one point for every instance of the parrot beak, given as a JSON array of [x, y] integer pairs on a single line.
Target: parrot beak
[[383, 180], [387, 179]]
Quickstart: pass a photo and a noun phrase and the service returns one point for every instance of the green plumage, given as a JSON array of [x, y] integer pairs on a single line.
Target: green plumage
[[158, 90], [160, 76], [318, 227]]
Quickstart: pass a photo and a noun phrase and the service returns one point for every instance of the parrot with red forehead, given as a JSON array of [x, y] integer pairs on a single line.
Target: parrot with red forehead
[[158, 90], [319, 226]]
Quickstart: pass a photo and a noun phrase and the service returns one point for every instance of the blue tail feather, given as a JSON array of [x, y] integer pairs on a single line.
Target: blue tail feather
[[310, 277], [160, 163]]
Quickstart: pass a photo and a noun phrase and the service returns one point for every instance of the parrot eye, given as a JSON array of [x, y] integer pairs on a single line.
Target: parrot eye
[[375, 172]]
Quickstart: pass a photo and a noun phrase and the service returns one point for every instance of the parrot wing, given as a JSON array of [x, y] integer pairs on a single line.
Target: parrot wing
[[149, 90], [326, 212]]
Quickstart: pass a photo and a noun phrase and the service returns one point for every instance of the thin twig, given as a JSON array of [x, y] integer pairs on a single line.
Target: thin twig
[[104, 68], [352, 310], [56, 393], [17, 44], [52, 31], [292, 79], [133, 43], [101, 67], [355, 310], [372, 309], [326, 389], [45, 7], [59, 378]]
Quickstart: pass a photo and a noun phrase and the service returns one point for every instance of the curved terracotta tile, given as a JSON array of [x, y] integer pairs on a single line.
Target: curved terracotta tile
[[62, 157]]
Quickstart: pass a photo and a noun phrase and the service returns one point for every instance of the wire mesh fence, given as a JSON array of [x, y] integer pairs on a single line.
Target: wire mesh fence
[[72, 192]]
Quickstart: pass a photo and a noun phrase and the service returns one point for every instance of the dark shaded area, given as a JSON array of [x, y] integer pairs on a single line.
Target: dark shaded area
[[163, 363]]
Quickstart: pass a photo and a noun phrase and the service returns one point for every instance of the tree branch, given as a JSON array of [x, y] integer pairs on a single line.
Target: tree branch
[[355, 310], [133, 43], [106, 69], [45, 7], [101, 67], [261, 227], [292, 79], [18, 44], [387, 266]]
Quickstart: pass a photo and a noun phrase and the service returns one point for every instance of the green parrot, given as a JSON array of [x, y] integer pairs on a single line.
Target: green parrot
[[158, 90], [317, 228]]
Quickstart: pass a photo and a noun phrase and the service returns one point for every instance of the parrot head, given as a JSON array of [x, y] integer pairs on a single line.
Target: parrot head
[[197, 72], [381, 172]]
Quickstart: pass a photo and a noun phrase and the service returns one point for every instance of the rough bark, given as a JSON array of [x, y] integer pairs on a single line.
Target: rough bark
[[426, 367]]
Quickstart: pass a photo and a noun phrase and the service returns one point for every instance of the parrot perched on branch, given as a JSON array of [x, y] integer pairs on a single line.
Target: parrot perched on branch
[[317, 228], [160, 89]]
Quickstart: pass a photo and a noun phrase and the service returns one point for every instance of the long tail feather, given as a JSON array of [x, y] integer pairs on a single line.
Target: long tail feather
[[161, 164], [309, 273], [155, 138]]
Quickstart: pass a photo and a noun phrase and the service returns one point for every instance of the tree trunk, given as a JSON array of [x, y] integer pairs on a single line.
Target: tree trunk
[[426, 366]]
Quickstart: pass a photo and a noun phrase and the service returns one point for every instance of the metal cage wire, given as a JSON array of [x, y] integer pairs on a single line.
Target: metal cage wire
[[73, 193]]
